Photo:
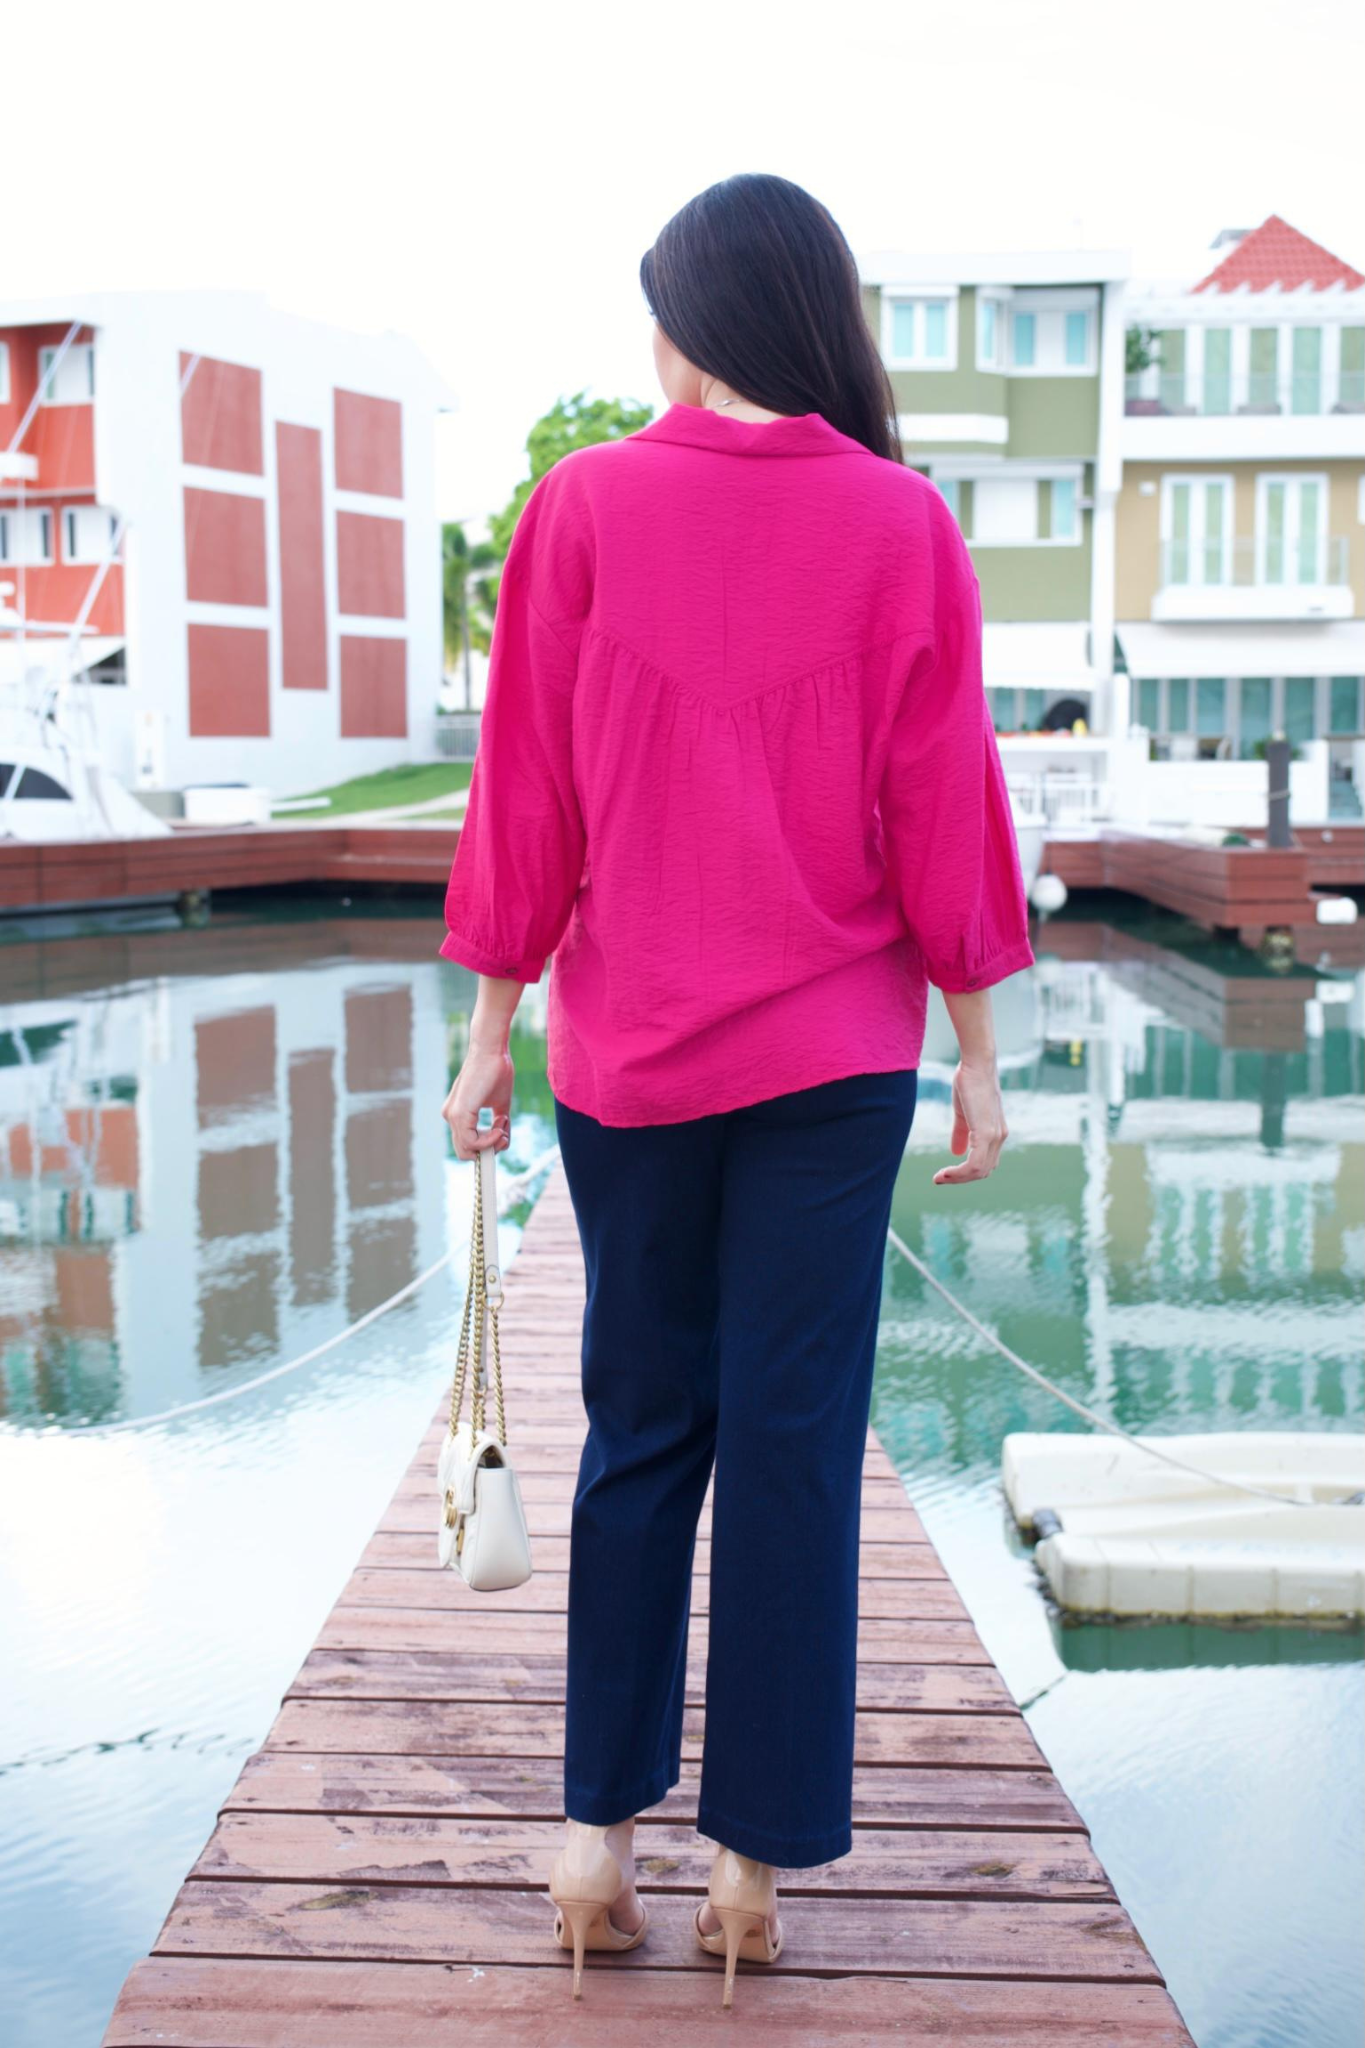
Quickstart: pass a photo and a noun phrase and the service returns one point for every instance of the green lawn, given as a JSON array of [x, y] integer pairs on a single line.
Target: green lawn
[[417, 784]]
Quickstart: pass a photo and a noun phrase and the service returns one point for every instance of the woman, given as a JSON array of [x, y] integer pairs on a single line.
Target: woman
[[737, 775]]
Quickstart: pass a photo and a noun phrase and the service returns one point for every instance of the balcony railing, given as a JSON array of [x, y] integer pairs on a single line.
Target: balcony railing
[[1272, 562], [1170, 394]]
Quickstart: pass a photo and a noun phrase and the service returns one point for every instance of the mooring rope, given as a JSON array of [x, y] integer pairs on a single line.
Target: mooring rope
[[505, 1194], [1041, 1379], [548, 1158]]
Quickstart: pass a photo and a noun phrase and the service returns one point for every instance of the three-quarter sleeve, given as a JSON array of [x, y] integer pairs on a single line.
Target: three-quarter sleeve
[[948, 831], [519, 860]]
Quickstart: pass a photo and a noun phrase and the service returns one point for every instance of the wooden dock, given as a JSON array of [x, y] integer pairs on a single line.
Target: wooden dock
[[1241, 889], [377, 1874]]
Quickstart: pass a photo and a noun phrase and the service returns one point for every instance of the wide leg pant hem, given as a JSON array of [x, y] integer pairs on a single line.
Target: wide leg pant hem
[[787, 1852], [599, 1809]]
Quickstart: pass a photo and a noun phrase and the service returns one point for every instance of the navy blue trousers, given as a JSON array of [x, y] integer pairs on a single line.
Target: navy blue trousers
[[734, 1275]]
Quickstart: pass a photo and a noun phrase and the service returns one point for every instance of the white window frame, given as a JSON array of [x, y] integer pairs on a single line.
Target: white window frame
[[1049, 306], [74, 519], [1000, 300], [21, 525], [972, 470], [1292, 478], [922, 294], [1198, 480], [78, 348], [4, 373]]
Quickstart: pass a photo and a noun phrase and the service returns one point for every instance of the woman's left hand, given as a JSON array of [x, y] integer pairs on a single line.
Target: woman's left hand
[[483, 1082]]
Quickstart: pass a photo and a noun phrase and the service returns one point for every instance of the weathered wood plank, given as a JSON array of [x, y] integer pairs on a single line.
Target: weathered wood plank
[[415, 1550], [435, 1728], [415, 1628], [532, 1788], [179, 2002], [328, 1849], [472, 1673], [1040, 1939]]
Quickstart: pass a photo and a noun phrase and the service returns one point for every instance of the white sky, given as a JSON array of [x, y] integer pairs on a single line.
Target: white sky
[[487, 180]]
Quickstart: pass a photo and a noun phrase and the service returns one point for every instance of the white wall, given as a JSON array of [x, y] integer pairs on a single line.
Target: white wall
[[140, 473], [1220, 792]]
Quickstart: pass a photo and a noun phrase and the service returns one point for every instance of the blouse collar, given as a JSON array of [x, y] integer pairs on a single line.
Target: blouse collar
[[806, 433]]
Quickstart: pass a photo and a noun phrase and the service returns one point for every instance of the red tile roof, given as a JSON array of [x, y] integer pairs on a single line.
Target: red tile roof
[[1276, 254]]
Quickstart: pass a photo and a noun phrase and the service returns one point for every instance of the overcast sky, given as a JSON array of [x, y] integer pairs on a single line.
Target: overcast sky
[[487, 179]]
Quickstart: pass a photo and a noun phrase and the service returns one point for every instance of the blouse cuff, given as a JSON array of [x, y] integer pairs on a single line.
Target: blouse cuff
[[998, 968], [466, 952]]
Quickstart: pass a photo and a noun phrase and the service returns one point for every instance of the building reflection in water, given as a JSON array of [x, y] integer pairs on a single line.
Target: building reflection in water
[[234, 1150], [206, 1174]]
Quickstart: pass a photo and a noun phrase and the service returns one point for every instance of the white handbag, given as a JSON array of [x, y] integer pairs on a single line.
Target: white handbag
[[482, 1532]]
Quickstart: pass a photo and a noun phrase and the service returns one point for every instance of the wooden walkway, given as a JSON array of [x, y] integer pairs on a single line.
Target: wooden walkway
[[377, 1874]]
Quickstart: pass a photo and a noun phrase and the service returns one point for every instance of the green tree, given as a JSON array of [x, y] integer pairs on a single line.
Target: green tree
[[466, 602], [1140, 349], [571, 423]]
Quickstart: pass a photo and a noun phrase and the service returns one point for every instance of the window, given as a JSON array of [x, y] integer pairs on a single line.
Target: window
[[1305, 382], [1211, 707], [990, 332], [1254, 723], [1052, 331], [1344, 704], [1064, 508], [1291, 539], [1217, 370], [1350, 372], [1263, 380], [922, 333], [1077, 340], [948, 487], [87, 532], [1196, 530], [26, 537], [1170, 383], [70, 381], [1236, 716], [1149, 703], [33, 783], [1300, 697]]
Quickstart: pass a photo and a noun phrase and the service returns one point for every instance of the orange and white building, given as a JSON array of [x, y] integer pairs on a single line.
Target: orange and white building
[[226, 514]]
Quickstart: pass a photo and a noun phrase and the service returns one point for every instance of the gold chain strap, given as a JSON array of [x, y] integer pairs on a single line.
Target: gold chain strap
[[476, 1307]]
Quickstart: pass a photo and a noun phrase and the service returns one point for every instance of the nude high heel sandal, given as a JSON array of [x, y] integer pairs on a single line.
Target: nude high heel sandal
[[742, 1893], [585, 1881]]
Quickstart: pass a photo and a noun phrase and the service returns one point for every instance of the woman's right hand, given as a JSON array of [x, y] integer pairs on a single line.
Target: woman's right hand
[[979, 1128]]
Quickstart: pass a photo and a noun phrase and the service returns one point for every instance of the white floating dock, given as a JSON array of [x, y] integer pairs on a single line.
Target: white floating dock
[[1121, 1532]]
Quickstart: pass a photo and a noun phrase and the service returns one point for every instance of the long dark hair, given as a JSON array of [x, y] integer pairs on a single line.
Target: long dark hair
[[754, 282]]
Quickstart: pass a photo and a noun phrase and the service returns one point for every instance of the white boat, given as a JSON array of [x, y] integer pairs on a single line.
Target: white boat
[[53, 783], [56, 791], [1121, 1532]]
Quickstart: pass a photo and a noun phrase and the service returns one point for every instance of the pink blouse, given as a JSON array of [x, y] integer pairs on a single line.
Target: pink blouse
[[736, 771]]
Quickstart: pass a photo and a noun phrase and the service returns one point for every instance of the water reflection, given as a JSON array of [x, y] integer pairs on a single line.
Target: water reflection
[[202, 1173], [218, 1148]]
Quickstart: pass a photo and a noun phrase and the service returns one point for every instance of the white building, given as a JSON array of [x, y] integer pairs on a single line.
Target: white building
[[227, 513]]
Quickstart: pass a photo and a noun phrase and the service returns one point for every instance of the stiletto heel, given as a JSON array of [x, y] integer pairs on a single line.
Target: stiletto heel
[[735, 1923], [743, 1896], [585, 1882], [580, 1914]]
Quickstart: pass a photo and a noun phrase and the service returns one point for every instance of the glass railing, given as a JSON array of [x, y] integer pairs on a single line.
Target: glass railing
[[1218, 393], [1270, 562]]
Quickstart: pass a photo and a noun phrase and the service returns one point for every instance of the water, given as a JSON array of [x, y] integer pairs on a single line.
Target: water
[[217, 1148]]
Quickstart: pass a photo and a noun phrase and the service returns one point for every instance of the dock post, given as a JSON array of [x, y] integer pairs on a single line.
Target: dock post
[[1277, 754]]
